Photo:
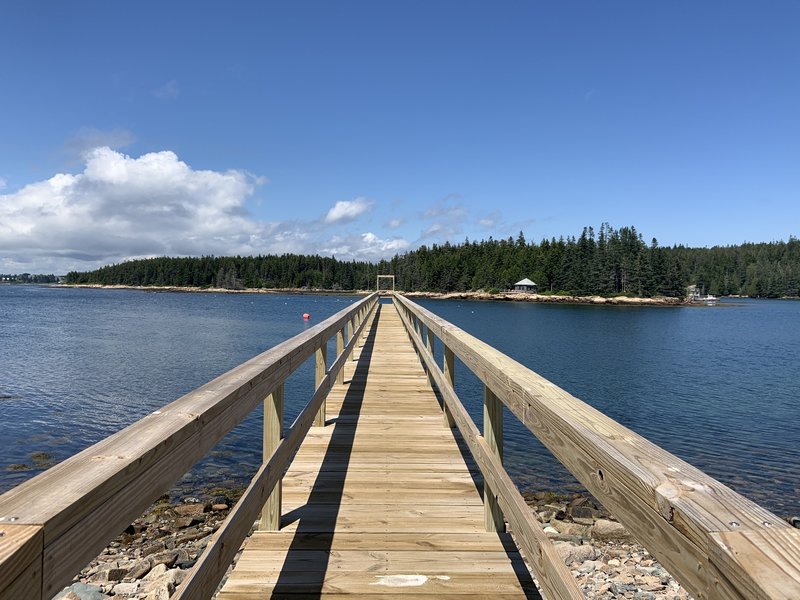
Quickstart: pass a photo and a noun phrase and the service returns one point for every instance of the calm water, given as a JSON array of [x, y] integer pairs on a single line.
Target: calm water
[[719, 386]]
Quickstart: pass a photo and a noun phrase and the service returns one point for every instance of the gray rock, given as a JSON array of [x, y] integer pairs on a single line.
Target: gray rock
[[153, 548], [172, 578], [127, 589], [609, 530], [582, 512], [156, 572], [162, 592], [567, 528], [575, 554], [167, 558], [81, 591], [551, 531], [140, 569], [189, 510], [619, 589]]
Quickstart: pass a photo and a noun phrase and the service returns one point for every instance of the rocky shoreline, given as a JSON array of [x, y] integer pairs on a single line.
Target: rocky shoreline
[[154, 554], [474, 295], [551, 299], [601, 554]]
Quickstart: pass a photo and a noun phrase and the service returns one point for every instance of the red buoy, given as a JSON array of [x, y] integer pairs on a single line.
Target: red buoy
[[306, 316]]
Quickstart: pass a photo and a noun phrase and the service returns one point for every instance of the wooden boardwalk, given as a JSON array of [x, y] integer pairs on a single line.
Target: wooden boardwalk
[[381, 502]]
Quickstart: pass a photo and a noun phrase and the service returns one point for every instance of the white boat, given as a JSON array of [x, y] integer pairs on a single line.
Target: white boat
[[698, 296], [708, 300]]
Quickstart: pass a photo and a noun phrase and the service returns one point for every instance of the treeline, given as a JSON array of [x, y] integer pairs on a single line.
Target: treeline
[[27, 278], [607, 261], [236, 272]]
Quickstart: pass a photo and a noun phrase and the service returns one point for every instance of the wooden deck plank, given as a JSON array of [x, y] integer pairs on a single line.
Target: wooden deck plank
[[381, 502]]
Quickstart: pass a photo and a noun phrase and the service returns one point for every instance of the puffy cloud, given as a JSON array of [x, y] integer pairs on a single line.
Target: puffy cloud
[[121, 207], [366, 246], [169, 91], [345, 211]]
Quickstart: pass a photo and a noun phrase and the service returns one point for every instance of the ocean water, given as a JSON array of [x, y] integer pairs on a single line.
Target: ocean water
[[718, 387]]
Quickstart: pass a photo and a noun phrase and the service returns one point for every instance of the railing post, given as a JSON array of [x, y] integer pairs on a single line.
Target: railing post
[[450, 376], [322, 367], [273, 433], [339, 350], [352, 325], [429, 345], [415, 323], [361, 317], [493, 434]]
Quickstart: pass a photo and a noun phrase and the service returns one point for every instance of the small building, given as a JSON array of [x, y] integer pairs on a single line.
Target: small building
[[526, 285]]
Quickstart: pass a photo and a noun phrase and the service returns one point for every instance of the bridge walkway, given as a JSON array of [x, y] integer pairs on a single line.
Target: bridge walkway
[[381, 502]]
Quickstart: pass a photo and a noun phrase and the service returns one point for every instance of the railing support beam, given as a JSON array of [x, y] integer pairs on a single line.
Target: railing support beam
[[450, 377], [321, 370], [273, 433], [493, 434], [340, 341]]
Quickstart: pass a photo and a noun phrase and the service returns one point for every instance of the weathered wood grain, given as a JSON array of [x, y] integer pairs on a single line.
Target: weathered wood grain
[[20, 578]]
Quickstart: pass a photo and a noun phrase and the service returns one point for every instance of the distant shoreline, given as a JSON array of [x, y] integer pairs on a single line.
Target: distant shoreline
[[478, 295]]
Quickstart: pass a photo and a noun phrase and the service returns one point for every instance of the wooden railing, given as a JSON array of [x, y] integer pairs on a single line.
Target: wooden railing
[[54, 524], [715, 542]]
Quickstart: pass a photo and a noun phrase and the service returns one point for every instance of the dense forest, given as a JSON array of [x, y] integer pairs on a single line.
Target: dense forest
[[606, 262]]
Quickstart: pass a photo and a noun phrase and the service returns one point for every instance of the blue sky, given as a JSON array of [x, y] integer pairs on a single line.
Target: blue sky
[[362, 129]]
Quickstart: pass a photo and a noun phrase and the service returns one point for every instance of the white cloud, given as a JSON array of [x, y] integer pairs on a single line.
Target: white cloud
[[2, 183], [169, 91], [366, 246], [121, 207], [432, 231], [491, 220], [345, 211], [395, 223]]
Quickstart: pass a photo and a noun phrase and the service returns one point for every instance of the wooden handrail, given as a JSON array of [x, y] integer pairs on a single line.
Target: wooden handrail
[[210, 568], [55, 523], [714, 541], [551, 572]]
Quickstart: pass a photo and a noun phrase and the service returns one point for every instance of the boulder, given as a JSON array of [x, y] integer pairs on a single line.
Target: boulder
[[166, 558], [140, 569], [81, 591], [190, 510], [156, 572], [127, 588], [575, 554], [606, 530]]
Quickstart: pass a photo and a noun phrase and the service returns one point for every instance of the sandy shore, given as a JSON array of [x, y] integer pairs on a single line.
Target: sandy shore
[[477, 295]]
